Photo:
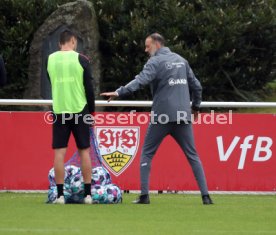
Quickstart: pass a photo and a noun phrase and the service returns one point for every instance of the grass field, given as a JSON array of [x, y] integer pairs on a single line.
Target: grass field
[[167, 214]]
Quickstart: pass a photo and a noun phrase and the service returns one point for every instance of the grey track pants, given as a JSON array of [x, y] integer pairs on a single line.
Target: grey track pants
[[183, 134]]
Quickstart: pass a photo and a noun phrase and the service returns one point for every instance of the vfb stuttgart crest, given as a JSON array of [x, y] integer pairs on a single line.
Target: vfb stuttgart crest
[[118, 146]]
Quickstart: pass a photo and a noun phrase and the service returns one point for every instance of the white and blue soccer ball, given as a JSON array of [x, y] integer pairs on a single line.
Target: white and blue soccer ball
[[69, 171], [100, 176], [76, 184], [77, 189], [69, 174], [98, 194], [51, 177], [106, 194], [52, 194], [114, 194], [67, 192]]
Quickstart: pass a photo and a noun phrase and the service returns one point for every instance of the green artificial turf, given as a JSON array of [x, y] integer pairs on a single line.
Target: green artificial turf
[[167, 214]]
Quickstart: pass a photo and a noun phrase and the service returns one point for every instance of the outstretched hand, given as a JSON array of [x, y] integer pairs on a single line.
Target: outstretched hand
[[111, 95]]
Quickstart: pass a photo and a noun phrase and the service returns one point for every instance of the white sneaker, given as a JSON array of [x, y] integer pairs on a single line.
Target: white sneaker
[[59, 200], [88, 199]]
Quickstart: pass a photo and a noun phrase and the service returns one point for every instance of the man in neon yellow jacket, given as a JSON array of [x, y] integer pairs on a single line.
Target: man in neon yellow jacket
[[73, 103]]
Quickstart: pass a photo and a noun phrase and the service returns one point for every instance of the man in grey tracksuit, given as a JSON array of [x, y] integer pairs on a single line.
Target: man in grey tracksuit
[[172, 83]]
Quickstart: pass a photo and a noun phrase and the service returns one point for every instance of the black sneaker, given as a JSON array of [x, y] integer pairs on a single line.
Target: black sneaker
[[207, 200], [142, 199]]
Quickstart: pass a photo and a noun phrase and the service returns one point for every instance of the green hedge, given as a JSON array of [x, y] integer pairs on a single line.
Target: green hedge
[[19, 20], [229, 44]]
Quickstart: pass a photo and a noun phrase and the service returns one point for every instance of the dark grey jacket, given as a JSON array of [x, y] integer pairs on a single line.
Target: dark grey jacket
[[171, 80]]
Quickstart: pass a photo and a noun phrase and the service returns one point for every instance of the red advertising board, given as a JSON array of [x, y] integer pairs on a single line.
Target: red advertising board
[[237, 152]]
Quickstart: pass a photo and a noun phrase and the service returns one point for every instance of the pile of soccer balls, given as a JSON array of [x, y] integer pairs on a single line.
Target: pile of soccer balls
[[102, 189]]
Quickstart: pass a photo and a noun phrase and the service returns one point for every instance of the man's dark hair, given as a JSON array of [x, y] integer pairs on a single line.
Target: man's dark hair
[[157, 38], [66, 36]]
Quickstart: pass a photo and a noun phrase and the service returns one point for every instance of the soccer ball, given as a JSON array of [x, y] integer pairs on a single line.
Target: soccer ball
[[114, 194], [76, 184], [72, 170], [52, 194], [67, 192], [100, 176], [69, 171], [76, 198], [51, 177], [106, 194], [98, 194], [77, 189]]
